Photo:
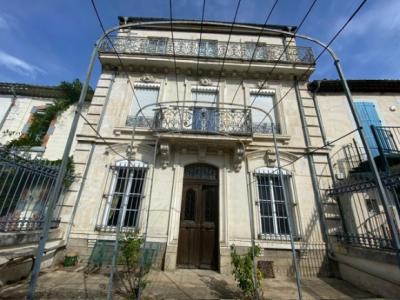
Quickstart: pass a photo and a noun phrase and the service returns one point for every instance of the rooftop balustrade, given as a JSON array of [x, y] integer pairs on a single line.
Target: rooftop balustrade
[[244, 51]]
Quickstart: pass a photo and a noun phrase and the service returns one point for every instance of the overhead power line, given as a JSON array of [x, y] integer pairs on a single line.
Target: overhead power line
[[119, 58], [173, 49], [256, 46], [356, 11], [284, 50], [227, 45]]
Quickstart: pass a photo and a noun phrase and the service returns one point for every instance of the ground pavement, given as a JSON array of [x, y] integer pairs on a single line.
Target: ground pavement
[[181, 284]]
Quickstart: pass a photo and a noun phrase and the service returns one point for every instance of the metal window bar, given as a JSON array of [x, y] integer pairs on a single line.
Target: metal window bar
[[274, 219], [125, 196]]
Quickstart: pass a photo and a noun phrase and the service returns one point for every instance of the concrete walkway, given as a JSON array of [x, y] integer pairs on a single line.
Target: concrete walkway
[[181, 284]]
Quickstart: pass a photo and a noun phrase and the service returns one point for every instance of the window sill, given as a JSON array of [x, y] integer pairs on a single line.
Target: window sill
[[113, 229]]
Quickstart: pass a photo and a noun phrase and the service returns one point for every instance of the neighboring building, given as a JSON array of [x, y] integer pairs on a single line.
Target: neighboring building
[[208, 139], [363, 241], [27, 175], [18, 103]]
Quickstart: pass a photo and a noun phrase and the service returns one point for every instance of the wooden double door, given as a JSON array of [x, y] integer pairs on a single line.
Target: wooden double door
[[198, 233]]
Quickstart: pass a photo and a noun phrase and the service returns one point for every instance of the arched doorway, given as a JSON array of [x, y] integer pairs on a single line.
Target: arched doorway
[[198, 232]]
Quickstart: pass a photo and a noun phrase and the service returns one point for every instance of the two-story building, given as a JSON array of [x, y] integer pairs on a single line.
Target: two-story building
[[187, 155]]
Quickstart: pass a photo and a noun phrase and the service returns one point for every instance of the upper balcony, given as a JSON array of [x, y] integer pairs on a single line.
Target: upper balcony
[[211, 51], [202, 120]]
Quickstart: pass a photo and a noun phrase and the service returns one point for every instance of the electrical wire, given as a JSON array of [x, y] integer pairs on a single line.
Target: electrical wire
[[100, 136], [318, 57], [283, 52], [119, 59], [226, 49], [198, 49], [173, 49], [255, 47]]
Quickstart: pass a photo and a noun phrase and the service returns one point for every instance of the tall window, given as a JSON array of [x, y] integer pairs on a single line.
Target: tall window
[[250, 51], [274, 218], [157, 45], [208, 48], [146, 94], [205, 118], [126, 194], [261, 123]]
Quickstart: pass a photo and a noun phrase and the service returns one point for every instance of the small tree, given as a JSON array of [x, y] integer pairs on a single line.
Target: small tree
[[243, 270], [134, 268]]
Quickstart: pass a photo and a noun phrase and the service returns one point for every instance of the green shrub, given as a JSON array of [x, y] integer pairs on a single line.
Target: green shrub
[[133, 269], [243, 271]]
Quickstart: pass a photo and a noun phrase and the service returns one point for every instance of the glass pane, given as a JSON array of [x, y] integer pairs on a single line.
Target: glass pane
[[250, 53], [199, 171], [145, 96], [208, 96], [209, 205], [190, 205], [266, 208], [264, 192], [266, 103], [208, 48], [267, 225], [283, 226]]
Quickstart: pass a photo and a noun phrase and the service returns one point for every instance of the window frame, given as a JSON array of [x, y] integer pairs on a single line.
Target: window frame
[[207, 51], [292, 215], [276, 111], [127, 193]]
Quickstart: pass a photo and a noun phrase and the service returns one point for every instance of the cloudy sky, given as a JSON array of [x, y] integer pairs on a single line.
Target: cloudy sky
[[47, 41]]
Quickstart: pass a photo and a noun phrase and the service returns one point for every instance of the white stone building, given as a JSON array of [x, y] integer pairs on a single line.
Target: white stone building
[[202, 157]]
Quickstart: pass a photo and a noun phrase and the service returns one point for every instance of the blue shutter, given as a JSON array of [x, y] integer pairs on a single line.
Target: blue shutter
[[368, 116]]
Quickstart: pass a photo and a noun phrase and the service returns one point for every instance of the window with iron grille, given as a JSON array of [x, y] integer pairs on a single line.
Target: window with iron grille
[[126, 194], [274, 217]]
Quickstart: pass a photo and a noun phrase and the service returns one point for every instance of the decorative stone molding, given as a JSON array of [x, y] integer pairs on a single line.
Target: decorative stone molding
[[238, 157], [165, 154], [270, 158], [147, 78], [205, 81], [261, 84], [131, 151]]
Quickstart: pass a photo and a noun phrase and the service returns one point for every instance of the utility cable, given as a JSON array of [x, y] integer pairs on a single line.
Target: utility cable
[[284, 50], [101, 137], [173, 49], [226, 49], [255, 47], [119, 59], [317, 58]]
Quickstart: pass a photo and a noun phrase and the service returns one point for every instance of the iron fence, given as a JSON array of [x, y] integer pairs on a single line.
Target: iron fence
[[365, 223], [25, 188], [208, 48]]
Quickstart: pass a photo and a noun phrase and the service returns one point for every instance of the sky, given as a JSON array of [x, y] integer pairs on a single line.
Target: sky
[[47, 41]]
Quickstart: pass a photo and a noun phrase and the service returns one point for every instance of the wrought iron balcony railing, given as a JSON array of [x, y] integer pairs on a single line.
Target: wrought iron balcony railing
[[206, 120], [208, 48]]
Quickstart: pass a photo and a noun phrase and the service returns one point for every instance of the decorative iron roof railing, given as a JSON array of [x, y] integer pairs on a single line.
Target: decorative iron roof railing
[[209, 49], [205, 120]]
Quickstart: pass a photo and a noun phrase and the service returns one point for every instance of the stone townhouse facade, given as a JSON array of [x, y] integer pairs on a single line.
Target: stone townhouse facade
[[198, 172]]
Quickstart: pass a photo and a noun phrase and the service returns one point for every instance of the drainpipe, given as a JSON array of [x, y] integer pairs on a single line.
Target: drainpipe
[[311, 165], [84, 176], [12, 104]]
